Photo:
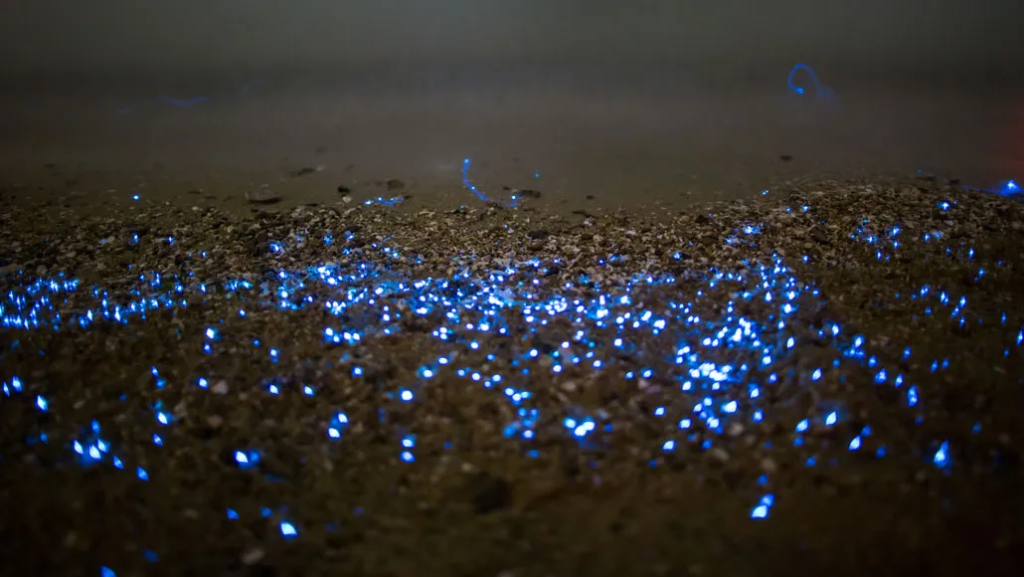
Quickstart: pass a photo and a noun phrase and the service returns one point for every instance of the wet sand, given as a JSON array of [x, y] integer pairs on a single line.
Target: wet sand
[[625, 138]]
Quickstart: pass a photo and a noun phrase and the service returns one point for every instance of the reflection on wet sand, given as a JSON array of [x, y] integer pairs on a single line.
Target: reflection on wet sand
[[625, 140]]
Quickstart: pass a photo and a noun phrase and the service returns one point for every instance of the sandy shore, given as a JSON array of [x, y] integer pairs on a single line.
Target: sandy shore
[[820, 380]]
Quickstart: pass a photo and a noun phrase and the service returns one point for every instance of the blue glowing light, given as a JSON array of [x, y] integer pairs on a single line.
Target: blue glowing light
[[188, 102], [1008, 188], [793, 86], [513, 202], [288, 531], [712, 359], [941, 458], [763, 507]]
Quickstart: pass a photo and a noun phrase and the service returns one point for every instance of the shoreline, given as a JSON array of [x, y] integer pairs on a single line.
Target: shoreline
[[840, 358]]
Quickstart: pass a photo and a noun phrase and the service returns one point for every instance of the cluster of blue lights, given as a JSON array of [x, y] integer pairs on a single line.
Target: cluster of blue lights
[[708, 359]]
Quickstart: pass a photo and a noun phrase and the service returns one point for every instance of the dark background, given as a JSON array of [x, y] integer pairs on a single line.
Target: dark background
[[955, 36], [648, 95]]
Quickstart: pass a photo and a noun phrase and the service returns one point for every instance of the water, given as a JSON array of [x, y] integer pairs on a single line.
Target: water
[[620, 134]]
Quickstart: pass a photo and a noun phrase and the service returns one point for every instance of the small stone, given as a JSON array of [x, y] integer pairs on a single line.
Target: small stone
[[492, 494], [253, 556], [263, 196], [735, 429], [719, 454], [221, 388]]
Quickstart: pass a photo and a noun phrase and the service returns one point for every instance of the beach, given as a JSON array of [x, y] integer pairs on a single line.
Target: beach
[[508, 323], [820, 378]]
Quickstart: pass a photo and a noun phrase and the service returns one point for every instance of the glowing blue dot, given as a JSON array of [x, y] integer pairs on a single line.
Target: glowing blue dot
[[406, 395], [288, 530], [912, 396], [941, 458], [802, 426], [730, 407], [816, 375], [855, 443], [41, 403], [831, 419]]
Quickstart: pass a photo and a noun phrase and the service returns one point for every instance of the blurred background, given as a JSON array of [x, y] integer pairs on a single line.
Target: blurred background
[[650, 97]]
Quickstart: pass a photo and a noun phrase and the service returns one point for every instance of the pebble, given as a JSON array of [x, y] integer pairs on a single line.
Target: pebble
[[253, 556], [263, 196]]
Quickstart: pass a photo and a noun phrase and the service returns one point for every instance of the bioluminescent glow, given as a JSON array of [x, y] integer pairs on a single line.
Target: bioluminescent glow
[[704, 355], [393, 201], [188, 102], [796, 88], [1010, 187], [513, 202]]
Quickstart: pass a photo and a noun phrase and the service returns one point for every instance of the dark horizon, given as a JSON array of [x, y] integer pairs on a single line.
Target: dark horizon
[[654, 96], [955, 38]]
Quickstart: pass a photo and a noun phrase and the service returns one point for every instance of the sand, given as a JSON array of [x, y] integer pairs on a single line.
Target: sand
[[819, 380]]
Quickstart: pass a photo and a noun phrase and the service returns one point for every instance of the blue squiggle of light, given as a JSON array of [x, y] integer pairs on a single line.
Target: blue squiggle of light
[[818, 88], [187, 102], [472, 188], [385, 201]]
